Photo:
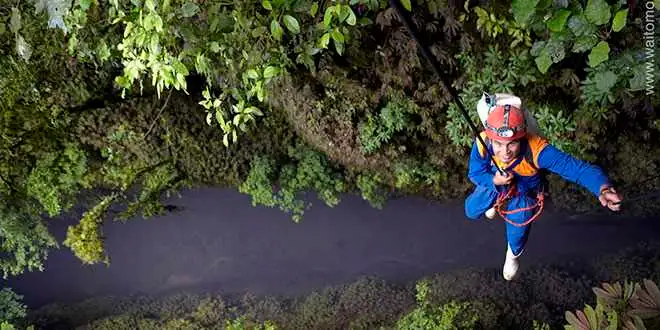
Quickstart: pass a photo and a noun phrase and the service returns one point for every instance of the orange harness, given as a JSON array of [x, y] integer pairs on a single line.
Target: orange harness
[[504, 196]]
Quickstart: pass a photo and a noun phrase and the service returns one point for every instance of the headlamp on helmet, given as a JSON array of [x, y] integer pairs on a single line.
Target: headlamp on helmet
[[506, 123]]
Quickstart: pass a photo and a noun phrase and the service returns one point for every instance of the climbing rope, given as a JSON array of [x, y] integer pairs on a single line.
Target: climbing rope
[[407, 22], [504, 196]]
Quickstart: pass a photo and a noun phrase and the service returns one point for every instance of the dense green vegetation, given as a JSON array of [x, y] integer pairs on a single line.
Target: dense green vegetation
[[547, 297], [276, 98], [122, 102]]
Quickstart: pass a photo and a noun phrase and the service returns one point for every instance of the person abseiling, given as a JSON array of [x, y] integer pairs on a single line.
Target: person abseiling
[[517, 195]]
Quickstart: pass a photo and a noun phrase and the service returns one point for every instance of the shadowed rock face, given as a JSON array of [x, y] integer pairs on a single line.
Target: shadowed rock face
[[220, 241]]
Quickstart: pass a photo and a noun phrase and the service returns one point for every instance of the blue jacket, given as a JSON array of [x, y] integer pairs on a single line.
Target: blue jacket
[[547, 156]]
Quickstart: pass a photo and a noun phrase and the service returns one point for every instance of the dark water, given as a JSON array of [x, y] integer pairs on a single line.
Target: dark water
[[219, 240]]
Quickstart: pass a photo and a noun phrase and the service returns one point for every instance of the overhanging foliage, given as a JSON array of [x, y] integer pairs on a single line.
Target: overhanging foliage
[[278, 97]]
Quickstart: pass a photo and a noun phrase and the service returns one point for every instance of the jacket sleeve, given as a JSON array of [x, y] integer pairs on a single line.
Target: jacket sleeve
[[480, 171], [572, 169]]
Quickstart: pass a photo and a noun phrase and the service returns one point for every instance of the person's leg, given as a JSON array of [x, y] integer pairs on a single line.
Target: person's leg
[[516, 236], [479, 201]]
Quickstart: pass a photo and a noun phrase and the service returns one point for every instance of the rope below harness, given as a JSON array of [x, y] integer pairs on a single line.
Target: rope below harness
[[504, 196]]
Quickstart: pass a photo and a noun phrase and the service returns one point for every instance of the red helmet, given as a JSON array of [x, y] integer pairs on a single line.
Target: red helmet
[[506, 123]]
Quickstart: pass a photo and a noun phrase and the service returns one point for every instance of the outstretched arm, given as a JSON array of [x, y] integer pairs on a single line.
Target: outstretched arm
[[572, 169]]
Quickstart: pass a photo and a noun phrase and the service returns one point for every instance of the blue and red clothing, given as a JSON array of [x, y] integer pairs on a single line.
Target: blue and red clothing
[[527, 179]]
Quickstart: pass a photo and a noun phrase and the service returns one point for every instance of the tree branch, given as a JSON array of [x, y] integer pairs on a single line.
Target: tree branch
[[11, 188], [159, 113]]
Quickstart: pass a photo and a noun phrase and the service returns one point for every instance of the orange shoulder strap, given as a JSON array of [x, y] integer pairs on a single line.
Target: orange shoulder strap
[[480, 147], [535, 145]]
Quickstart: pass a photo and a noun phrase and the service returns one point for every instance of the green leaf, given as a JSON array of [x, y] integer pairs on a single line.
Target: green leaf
[[189, 9], [154, 44], [364, 21], [225, 140], [555, 49], [543, 61], [291, 24], [406, 4], [613, 319], [276, 30], [314, 10], [327, 17], [597, 12], [619, 21], [253, 74], [266, 4], [337, 36], [344, 11], [638, 81], [150, 5], [523, 10], [85, 4], [591, 317], [15, 21], [584, 43], [2, 28], [537, 47], [214, 46], [558, 20], [256, 111], [259, 31], [148, 22], [158, 23], [351, 20], [545, 4], [572, 319], [325, 40], [123, 82], [579, 25], [219, 118], [180, 67], [23, 49], [599, 54], [564, 36], [271, 71], [339, 47]]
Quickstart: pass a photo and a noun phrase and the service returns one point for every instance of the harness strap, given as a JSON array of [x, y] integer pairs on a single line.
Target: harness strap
[[529, 157], [527, 154], [513, 165], [505, 196]]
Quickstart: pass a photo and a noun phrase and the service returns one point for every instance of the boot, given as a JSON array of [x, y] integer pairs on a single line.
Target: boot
[[511, 265], [490, 214]]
